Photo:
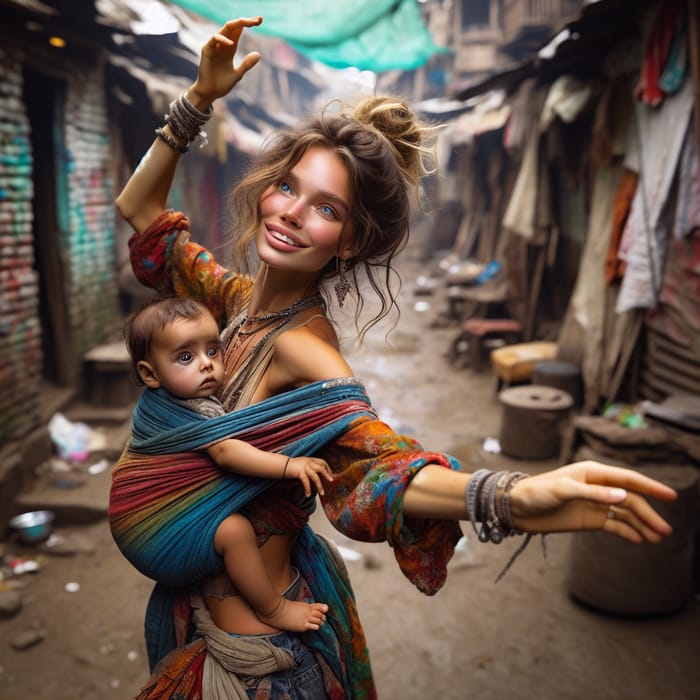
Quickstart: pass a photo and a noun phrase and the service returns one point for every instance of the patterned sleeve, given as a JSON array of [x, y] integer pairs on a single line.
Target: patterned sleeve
[[372, 467], [164, 258]]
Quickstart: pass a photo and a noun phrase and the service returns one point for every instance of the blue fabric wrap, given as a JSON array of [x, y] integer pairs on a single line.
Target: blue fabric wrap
[[162, 426]]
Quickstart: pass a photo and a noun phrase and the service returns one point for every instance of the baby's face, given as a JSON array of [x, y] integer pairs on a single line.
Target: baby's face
[[186, 357]]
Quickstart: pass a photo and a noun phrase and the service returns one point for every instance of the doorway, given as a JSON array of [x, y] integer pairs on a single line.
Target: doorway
[[44, 98]]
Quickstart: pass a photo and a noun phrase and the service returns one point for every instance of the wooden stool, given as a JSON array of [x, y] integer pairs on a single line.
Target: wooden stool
[[515, 363], [477, 331]]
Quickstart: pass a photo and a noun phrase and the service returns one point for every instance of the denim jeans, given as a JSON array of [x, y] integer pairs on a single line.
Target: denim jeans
[[303, 682]]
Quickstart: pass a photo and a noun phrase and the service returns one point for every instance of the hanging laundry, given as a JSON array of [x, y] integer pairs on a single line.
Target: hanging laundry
[[660, 49], [659, 139]]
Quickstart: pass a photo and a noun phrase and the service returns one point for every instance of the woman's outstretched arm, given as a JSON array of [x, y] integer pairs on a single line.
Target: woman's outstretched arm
[[575, 497], [145, 195]]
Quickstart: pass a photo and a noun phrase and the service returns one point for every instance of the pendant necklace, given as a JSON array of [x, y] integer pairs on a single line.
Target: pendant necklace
[[274, 318]]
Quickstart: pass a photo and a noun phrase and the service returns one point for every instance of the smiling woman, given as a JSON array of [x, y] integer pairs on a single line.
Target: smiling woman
[[321, 204]]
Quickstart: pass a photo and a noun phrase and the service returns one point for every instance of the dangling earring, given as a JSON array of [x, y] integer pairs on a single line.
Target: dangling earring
[[342, 285]]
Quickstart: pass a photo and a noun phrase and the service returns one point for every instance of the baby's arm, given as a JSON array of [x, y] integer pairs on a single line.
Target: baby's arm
[[243, 458]]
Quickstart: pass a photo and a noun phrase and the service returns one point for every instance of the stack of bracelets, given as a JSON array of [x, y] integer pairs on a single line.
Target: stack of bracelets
[[487, 498], [185, 121]]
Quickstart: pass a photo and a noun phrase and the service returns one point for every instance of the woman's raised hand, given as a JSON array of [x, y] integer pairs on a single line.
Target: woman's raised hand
[[217, 73], [591, 496]]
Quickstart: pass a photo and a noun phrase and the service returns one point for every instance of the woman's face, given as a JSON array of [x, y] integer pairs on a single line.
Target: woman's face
[[305, 217]]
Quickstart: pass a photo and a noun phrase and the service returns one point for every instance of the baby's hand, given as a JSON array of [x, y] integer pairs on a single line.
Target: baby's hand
[[308, 470]]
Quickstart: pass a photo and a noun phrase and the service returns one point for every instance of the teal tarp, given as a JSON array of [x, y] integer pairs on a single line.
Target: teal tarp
[[373, 35]]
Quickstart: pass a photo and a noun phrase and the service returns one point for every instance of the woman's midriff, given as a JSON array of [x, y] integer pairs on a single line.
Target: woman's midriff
[[233, 613]]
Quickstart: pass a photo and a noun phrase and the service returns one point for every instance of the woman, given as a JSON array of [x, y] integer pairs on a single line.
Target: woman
[[320, 203]]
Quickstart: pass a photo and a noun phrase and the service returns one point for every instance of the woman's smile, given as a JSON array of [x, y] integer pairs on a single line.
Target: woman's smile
[[278, 235]]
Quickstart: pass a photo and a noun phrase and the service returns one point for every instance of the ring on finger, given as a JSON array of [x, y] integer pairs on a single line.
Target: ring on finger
[[612, 515]]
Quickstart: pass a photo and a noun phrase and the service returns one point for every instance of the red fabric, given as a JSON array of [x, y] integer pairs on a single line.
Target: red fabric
[[657, 51], [179, 675], [614, 266]]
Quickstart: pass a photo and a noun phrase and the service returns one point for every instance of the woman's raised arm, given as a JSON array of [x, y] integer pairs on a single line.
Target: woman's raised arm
[[145, 194]]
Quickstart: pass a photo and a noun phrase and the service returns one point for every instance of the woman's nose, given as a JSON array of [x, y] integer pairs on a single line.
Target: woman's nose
[[293, 214]]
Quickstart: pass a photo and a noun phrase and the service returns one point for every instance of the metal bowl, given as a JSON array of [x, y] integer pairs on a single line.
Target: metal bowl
[[34, 526]]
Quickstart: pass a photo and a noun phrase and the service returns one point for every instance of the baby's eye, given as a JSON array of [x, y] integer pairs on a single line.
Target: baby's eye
[[213, 352], [185, 357], [285, 187]]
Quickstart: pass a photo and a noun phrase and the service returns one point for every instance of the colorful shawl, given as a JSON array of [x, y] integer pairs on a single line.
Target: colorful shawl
[[168, 498]]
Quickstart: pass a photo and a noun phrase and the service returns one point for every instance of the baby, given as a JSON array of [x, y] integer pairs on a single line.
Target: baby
[[174, 345]]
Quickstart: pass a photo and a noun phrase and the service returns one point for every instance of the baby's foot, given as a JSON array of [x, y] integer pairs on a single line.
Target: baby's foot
[[295, 616]]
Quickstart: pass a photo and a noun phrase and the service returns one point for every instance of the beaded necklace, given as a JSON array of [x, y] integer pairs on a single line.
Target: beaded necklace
[[271, 324], [269, 319]]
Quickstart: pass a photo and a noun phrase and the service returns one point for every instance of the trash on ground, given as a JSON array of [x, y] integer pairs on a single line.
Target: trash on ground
[[422, 306], [98, 467], [72, 587], [24, 566], [492, 446], [71, 439], [60, 545], [33, 526]]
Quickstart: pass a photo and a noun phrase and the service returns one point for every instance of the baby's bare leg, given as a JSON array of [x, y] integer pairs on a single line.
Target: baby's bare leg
[[235, 541]]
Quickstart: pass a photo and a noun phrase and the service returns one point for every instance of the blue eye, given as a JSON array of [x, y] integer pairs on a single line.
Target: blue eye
[[327, 211], [285, 187], [213, 352]]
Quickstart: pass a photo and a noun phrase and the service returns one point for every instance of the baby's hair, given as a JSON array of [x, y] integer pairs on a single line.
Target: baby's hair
[[152, 317], [386, 149]]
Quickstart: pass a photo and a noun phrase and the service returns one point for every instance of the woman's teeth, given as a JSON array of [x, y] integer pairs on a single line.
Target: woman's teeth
[[285, 239]]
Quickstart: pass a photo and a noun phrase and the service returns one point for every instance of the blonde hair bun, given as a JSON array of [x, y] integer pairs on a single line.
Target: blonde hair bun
[[411, 140]]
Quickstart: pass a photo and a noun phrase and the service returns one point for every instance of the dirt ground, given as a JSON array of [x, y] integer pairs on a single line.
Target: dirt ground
[[520, 639]]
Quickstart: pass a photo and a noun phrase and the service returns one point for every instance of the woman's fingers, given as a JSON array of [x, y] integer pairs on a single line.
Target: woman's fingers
[[625, 521], [633, 511], [234, 27], [619, 477], [582, 496], [221, 39]]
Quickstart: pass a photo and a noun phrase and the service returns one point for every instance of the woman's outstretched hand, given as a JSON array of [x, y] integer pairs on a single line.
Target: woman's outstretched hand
[[217, 73], [591, 496]]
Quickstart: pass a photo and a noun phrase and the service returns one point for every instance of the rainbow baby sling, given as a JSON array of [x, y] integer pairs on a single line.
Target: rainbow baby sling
[[168, 498]]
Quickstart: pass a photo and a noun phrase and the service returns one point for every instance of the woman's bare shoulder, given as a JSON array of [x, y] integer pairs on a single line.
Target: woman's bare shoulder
[[310, 353]]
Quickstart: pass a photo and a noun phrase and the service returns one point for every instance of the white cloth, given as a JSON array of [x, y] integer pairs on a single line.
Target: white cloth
[[660, 139]]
